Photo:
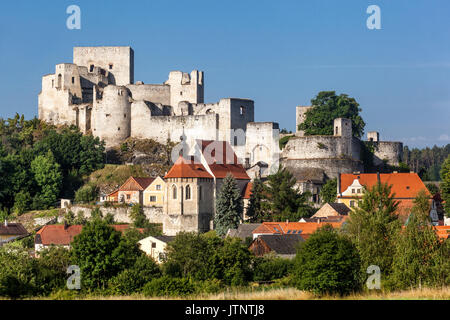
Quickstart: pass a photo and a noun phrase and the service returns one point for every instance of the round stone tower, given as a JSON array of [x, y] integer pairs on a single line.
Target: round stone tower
[[111, 115]]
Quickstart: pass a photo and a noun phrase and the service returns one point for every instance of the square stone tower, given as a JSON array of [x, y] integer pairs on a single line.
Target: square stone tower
[[117, 62], [342, 127], [373, 136], [300, 117]]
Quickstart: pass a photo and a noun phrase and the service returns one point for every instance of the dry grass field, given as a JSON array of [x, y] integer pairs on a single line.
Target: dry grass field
[[293, 294]]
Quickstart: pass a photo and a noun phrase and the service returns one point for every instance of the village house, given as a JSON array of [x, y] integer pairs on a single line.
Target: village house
[[405, 188], [154, 193], [11, 231], [62, 235], [280, 245], [332, 210], [305, 229], [155, 246], [243, 231], [132, 191]]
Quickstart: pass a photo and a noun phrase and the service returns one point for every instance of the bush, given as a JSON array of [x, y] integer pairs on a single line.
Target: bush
[[327, 263], [133, 280], [268, 269], [86, 194], [169, 287]]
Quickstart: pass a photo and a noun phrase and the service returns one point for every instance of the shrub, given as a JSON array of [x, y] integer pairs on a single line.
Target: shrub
[[86, 194], [169, 287], [133, 280], [271, 268], [327, 263]]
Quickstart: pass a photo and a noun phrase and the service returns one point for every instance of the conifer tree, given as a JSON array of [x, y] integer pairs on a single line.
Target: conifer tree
[[229, 206], [256, 210]]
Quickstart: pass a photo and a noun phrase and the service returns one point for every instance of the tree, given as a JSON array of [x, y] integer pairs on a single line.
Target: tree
[[327, 106], [229, 206], [418, 254], [432, 188], [445, 185], [283, 199], [101, 253], [87, 193], [372, 227], [132, 280], [256, 211], [329, 191], [52, 269], [327, 263], [48, 177]]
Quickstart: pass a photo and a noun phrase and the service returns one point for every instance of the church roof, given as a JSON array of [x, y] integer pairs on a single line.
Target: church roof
[[184, 168]]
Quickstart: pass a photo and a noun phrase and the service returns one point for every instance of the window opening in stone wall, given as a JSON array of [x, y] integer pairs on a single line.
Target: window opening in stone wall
[[73, 80], [91, 68], [174, 192], [110, 66], [188, 192]]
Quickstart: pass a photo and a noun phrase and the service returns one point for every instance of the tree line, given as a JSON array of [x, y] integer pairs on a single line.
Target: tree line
[[41, 163]]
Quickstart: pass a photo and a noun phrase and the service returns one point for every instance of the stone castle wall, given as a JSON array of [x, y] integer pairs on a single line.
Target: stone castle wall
[[390, 151]]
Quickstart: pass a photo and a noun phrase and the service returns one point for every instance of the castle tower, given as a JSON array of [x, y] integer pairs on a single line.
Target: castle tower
[[300, 116], [185, 87], [373, 136], [111, 115], [116, 62], [342, 127]]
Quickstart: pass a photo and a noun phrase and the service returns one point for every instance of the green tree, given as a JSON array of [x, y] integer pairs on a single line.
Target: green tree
[[229, 206], [256, 210], [87, 193], [329, 191], [417, 250], [52, 269], [48, 177], [372, 227], [283, 199], [445, 185], [327, 107], [432, 188], [132, 280], [101, 253], [327, 263]]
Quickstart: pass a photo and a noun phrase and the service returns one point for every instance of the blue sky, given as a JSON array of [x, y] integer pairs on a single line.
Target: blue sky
[[278, 53]]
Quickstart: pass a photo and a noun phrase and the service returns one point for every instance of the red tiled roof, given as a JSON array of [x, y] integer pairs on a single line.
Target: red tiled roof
[[404, 185], [247, 192], [58, 234], [442, 231], [221, 159], [293, 227], [12, 229], [136, 184], [187, 169]]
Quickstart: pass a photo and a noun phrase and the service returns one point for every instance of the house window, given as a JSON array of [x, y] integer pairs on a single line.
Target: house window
[[174, 192], [153, 244], [128, 197], [353, 190], [158, 187], [152, 198], [188, 192], [359, 190], [53, 83]]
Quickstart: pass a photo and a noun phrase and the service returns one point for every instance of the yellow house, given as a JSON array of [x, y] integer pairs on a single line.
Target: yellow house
[[154, 193]]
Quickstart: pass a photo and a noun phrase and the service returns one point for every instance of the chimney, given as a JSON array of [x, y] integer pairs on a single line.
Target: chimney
[[339, 184]]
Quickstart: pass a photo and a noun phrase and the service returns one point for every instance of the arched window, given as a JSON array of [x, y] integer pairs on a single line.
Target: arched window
[[188, 192], [59, 80], [174, 192]]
